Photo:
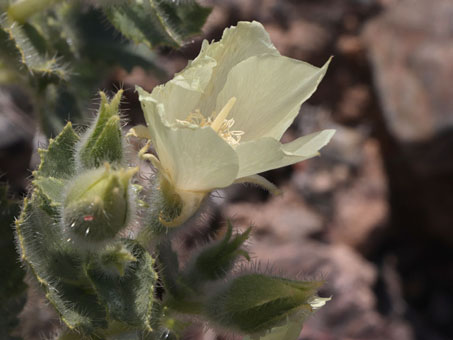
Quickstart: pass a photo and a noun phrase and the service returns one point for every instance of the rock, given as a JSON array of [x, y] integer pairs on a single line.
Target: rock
[[284, 218], [410, 48], [353, 102], [361, 208]]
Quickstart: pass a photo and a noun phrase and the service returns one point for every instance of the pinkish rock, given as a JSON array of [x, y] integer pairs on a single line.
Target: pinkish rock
[[411, 49]]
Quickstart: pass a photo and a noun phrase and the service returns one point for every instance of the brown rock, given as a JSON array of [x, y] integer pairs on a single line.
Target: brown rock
[[361, 208], [284, 218], [410, 48]]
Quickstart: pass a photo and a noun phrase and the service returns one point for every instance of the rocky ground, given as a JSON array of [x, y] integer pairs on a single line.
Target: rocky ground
[[373, 215]]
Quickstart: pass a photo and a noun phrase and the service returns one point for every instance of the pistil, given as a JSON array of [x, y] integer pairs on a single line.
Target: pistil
[[221, 117]]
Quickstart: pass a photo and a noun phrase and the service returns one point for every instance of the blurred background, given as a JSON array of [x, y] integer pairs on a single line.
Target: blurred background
[[373, 215]]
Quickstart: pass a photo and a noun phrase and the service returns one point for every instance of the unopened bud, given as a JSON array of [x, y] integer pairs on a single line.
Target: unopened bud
[[115, 259], [97, 204], [103, 141], [254, 303], [217, 259]]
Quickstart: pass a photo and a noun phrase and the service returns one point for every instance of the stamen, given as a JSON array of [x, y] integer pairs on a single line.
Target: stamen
[[218, 123], [221, 117]]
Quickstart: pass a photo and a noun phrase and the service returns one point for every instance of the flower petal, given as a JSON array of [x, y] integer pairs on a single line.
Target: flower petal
[[181, 95], [267, 153], [238, 43], [192, 158], [196, 85], [269, 91]]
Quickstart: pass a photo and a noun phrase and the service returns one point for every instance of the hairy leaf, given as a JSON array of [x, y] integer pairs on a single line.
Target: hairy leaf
[[157, 22], [58, 268], [58, 161], [24, 49], [129, 298]]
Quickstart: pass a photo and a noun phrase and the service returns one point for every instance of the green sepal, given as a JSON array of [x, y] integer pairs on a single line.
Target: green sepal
[[103, 142], [216, 260], [157, 22], [56, 167], [254, 303], [57, 267], [128, 298], [58, 161]]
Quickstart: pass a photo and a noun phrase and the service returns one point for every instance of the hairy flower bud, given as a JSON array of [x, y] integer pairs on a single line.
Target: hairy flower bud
[[255, 303], [97, 204], [216, 260], [103, 142]]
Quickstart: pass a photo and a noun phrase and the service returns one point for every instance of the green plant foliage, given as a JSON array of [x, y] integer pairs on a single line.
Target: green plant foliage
[[12, 287], [217, 259], [22, 47], [96, 205], [57, 266], [72, 278], [104, 285], [255, 303], [104, 142], [157, 22], [61, 51], [97, 238], [129, 297], [290, 331]]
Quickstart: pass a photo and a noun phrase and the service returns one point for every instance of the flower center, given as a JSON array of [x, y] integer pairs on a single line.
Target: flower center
[[219, 123]]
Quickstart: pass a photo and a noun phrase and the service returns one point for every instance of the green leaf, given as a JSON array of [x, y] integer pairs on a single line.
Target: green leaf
[[290, 331], [51, 188], [254, 303], [22, 49], [57, 267], [157, 22], [58, 160], [129, 298], [56, 167]]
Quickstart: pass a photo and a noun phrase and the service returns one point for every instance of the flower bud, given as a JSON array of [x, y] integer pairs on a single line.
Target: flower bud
[[255, 303], [103, 141], [216, 260], [115, 259], [97, 204]]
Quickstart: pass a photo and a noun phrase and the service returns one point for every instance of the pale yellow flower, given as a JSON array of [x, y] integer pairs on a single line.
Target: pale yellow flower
[[219, 121]]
